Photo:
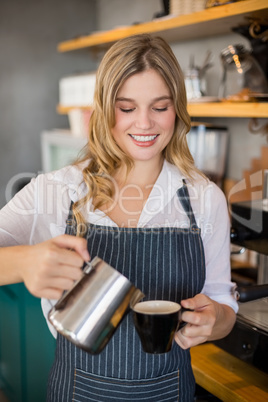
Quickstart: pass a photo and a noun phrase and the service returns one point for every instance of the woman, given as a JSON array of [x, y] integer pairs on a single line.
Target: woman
[[137, 201]]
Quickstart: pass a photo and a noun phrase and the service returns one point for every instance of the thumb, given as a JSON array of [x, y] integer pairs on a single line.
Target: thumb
[[188, 303], [198, 302]]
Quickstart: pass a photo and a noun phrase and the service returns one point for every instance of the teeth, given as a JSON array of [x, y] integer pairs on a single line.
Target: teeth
[[143, 138]]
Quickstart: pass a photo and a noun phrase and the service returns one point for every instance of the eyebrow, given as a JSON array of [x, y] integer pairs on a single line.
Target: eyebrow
[[164, 97]]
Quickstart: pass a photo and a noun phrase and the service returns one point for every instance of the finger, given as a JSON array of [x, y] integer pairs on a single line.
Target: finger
[[70, 258], [44, 287], [63, 271], [194, 331], [59, 283], [46, 292], [198, 323], [50, 293], [78, 244], [197, 302], [59, 262], [194, 318], [185, 342]]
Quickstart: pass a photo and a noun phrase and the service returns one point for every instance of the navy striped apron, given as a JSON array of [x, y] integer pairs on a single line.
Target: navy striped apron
[[165, 263]]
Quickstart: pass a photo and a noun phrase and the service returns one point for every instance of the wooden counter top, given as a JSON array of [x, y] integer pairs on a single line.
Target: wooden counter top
[[227, 377]]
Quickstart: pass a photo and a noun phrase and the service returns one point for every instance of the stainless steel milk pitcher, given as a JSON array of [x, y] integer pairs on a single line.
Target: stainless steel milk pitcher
[[90, 312]]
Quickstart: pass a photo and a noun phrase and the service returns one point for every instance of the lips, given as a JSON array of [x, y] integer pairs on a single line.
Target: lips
[[144, 140]]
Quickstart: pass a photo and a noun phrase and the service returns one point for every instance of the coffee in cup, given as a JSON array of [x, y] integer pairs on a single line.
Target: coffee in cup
[[156, 322]]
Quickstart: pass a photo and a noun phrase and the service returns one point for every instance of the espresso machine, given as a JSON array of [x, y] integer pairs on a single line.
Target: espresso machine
[[249, 230]]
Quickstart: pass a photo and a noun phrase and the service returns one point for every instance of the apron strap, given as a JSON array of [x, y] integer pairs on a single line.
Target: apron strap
[[184, 198], [70, 222]]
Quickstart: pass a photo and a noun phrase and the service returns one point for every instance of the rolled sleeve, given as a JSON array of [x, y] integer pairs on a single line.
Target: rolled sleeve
[[218, 285]]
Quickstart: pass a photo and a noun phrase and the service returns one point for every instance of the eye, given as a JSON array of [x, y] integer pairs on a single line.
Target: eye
[[162, 109], [126, 110]]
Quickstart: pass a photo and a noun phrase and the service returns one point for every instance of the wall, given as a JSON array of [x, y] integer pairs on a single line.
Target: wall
[[243, 145], [30, 69]]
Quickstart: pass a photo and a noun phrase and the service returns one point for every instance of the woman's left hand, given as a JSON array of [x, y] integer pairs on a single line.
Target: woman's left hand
[[207, 321]]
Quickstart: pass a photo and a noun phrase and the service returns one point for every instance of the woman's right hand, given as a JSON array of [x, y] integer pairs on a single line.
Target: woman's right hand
[[49, 268]]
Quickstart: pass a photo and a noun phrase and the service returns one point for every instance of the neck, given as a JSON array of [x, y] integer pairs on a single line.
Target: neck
[[143, 173]]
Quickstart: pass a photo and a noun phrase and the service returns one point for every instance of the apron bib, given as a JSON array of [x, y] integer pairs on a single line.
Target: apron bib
[[164, 263]]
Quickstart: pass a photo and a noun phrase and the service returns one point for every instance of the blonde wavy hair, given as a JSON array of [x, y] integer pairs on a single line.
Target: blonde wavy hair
[[125, 58]]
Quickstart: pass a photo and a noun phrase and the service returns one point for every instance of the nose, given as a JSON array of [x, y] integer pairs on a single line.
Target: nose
[[144, 120]]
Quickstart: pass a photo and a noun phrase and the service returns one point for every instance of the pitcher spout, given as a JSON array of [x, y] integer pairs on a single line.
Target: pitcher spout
[[136, 297]]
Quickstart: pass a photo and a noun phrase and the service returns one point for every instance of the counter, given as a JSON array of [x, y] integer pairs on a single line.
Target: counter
[[227, 377]]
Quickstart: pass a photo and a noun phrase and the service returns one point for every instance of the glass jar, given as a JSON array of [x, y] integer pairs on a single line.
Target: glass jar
[[240, 71]]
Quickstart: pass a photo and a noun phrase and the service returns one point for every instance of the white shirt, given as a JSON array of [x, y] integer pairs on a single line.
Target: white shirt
[[39, 212]]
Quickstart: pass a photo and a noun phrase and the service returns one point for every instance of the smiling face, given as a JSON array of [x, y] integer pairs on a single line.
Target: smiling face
[[144, 116]]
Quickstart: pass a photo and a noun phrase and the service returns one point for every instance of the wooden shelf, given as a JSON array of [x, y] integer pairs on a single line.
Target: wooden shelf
[[217, 109], [229, 109], [209, 22], [65, 109], [227, 377]]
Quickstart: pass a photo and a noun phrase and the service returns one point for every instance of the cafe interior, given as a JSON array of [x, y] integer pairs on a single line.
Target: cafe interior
[[49, 56]]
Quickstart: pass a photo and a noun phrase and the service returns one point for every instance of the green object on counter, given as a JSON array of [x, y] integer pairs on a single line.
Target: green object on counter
[[26, 346]]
